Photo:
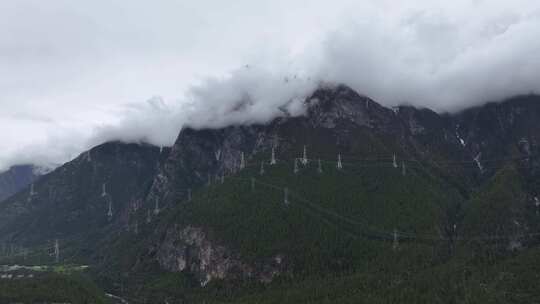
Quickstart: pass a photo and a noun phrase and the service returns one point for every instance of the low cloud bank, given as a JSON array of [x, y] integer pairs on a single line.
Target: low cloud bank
[[430, 56]]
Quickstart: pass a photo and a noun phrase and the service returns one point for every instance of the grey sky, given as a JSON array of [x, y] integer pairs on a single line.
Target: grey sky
[[76, 73]]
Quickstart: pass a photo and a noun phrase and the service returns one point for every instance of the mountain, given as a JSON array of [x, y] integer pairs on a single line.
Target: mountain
[[87, 198], [15, 179], [362, 204]]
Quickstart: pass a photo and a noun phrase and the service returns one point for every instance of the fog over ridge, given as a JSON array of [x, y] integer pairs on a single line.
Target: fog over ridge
[[423, 53]]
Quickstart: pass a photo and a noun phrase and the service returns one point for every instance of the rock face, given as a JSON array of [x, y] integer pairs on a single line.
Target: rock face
[[328, 107], [200, 155], [189, 249], [510, 129], [15, 179]]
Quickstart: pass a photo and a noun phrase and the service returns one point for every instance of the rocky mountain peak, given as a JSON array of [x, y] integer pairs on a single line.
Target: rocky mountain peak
[[328, 106]]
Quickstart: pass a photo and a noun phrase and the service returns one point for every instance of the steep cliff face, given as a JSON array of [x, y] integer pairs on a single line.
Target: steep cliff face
[[200, 155], [503, 130], [16, 178], [189, 249], [328, 107]]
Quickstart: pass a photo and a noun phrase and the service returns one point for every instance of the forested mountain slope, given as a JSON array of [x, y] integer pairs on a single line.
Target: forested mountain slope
[[352, 202]]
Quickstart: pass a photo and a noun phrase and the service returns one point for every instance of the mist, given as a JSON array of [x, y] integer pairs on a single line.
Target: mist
[[444, 56]]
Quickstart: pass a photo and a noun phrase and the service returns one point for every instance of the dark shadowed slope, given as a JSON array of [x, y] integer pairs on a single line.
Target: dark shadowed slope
[[15, 179]]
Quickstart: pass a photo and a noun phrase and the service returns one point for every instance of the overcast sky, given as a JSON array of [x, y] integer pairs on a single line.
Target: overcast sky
[[76, 73]]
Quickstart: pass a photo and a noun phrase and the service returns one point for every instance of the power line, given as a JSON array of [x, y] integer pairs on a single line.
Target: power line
[[292, 197], [382, 233]]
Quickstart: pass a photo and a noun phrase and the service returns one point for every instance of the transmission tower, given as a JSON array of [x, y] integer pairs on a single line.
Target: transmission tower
[[295, 166], [32, 192], [103, 190], [56, 251], [304, 157], [339, 164], [218, 154], [109, 212], [273, 158], [319, 166], [242, 161], [394, 161]]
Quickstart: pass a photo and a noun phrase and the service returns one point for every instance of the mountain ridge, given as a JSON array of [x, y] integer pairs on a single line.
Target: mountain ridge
[[188, 210]]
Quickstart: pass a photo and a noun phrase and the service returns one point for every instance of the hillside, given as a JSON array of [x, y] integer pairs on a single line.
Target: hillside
[[353, 202], [80, 202], [15, 179], [50, 288]]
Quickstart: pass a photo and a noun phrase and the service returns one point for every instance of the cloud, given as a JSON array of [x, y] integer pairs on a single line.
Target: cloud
[[247, 95], [436, 59], [79, 73]]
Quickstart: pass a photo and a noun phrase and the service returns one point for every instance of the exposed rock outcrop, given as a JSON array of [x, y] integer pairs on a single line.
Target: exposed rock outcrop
[[189, 249]]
